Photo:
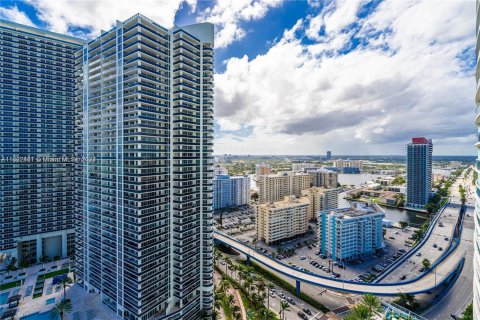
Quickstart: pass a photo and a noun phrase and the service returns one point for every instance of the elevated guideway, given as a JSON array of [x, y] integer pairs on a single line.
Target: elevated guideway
[[445, 270]]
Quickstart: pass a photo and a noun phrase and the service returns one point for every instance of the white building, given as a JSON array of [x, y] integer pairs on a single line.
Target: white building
[[282, 220], [296, 166], [351, 233], [230, 191], [219, 170]]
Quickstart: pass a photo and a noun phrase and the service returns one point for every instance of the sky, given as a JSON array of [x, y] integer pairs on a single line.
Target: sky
[[304, 77]]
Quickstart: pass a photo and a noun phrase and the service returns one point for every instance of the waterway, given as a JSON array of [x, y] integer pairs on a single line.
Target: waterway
[[394, 214]]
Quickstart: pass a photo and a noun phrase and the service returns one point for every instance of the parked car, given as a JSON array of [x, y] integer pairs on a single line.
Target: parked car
[[302, 315], [307, 311]]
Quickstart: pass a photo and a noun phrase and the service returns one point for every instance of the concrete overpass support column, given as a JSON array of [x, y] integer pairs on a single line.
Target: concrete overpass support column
[[248, 260], [297, 289]]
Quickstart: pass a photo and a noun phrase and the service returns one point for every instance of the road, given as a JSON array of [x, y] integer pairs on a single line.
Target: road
[[460, 294], [411, 267], [423, 284]]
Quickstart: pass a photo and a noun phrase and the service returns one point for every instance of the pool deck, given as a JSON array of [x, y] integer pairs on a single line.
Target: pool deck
[[82, 301]]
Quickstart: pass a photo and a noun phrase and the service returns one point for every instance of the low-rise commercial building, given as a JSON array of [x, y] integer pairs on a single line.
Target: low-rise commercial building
[[282, 220], [351, 233], [230, 191], [321, 199]]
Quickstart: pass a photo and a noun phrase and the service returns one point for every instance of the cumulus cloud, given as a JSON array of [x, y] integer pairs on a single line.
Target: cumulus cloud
[[228, 15], [15, 15], [362, 83], [93, 15]]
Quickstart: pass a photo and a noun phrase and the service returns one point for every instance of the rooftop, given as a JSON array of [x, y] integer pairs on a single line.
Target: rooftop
[[358, 209], [288, 201]]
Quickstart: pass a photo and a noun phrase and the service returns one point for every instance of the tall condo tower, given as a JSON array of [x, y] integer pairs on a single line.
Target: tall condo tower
[[419, 172], [476, 258], [37, 115], [145, 106]]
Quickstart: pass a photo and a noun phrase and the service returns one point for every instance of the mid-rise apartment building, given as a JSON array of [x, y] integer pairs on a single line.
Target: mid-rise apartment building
[[323, 178], [282, 220], [230, 191], [37, 130], [349, 166], [218, 170], [262, 168], [301, 166], [321, 199], [275, 187], [351, 233], [144, 219], [419, 172]]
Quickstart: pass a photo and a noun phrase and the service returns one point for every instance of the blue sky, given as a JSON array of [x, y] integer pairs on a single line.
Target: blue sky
[[303, 77]]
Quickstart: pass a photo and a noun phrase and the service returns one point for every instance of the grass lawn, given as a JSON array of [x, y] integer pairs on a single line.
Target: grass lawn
[[53, 274], [9, 285]]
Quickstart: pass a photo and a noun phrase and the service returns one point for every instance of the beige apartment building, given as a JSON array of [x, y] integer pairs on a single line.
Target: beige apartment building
[[276, 186], [282, 220], [321, 199], [262, 169]]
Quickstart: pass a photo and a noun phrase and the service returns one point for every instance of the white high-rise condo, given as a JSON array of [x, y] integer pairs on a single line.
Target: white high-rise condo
[[144, 225], [476, 263]]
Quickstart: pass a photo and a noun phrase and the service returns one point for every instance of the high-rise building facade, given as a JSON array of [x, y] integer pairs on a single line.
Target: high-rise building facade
[[144, 224], [476, 258], [230, 191], [349, 166], [329, 155], [419, 172], [37, 124], [262, 169], [282, 220], [351, 233], [321, 199]]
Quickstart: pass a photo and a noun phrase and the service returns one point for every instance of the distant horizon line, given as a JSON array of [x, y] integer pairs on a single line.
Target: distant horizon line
[[340, 155]]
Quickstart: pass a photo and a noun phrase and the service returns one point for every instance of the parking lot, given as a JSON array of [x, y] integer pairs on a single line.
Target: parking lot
[[306, 255], [240, 221]]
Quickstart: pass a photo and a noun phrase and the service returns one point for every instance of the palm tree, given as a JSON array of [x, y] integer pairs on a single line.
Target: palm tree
[[227, 261], [372, 303], [230, 300], [61, 309], [254, 241], [266, 313], [11, 266], [235, 311], [284, 306], [224, 285], [406, 300], [359, 312], [426, 264], [229, 264], [66, 282], [217, 303], [43, 260]]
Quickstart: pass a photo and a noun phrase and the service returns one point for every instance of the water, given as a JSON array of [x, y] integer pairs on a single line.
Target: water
[[4, 297], [50, 301], [394, 214], [38, 316]]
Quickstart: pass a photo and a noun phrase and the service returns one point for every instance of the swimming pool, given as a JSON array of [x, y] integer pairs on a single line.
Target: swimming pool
[[38, 316], [3, 297], [50, 301]]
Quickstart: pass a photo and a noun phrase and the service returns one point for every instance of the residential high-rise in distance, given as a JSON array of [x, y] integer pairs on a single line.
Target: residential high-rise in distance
[[230, 191], [476, 257], [262, 169], [37, 124], [419, 172], [145, 102]]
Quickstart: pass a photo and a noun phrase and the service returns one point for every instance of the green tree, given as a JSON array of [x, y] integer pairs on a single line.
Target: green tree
[[372, 302], [468, 313], [66, 282], [359, 312], [284, 306], [255, 197], [403, 224], [61, 309], [426, 264]]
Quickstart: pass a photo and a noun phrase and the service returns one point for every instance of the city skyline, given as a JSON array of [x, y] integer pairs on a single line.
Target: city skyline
[[285, 52]]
